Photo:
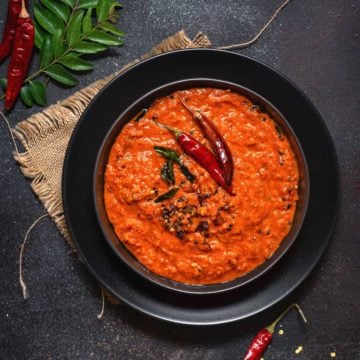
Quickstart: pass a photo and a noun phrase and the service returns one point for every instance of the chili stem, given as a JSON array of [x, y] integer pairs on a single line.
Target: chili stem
[[23, 11], [186, 106], [195, 112], [176, 132], [271, 327], [71, 17]]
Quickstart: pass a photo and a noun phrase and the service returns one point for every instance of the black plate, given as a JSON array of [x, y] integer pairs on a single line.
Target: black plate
[[161, 303]]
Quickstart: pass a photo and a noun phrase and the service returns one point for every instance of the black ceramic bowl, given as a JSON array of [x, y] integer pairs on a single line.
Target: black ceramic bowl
[[107, 228]]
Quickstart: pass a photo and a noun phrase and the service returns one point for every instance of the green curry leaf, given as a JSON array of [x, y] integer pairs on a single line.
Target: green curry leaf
[[73, 62], [47, 19], [45, 52], [58, 73], [26, 97], [59, 9], [74, 30], [37, 90]]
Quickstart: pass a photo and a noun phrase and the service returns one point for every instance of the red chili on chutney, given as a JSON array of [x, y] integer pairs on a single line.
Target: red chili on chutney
[[202, 234]]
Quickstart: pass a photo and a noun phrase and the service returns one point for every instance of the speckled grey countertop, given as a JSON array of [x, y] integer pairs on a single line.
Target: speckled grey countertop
[[315, 44]]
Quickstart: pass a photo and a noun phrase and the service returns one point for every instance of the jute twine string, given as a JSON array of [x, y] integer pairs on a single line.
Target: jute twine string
[[10, 132], [257, 36], [24, 240], [22, 247], [100, 315], [65, 115]]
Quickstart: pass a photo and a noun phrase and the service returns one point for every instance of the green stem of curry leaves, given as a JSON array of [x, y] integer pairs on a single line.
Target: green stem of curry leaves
[[71, 17]]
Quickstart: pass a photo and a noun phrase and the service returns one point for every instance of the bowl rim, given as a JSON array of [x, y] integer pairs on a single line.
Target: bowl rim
[[167, 283]]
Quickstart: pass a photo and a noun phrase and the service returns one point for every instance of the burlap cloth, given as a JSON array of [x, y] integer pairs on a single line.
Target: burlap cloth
[[45, 135]]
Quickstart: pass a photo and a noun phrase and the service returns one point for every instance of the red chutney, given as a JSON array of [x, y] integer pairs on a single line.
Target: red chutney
[[222, 236]]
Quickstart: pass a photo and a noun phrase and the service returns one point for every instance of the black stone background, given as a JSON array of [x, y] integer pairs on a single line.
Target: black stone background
[[313, 42]]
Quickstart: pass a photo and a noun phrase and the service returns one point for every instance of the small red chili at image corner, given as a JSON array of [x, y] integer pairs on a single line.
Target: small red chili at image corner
[[264, 336]]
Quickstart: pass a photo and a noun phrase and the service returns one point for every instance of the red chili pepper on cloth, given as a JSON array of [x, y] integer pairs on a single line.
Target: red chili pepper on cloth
[[264, 337], [14, 8], [217, 142], [20, 57], [201, 155]]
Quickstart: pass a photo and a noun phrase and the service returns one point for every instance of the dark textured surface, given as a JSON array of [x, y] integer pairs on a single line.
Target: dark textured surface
[[314, 43]]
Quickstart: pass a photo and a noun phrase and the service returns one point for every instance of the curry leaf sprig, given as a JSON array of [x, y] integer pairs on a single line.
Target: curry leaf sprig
[[66, 31]]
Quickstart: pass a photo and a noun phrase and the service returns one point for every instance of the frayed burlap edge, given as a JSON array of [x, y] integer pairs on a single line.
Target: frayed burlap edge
[[65, 114]]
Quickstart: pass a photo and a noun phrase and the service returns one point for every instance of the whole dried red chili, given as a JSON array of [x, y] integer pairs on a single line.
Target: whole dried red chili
[[6, 46], [264, 337], [201, 154], [20, 57], [217, 142]]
